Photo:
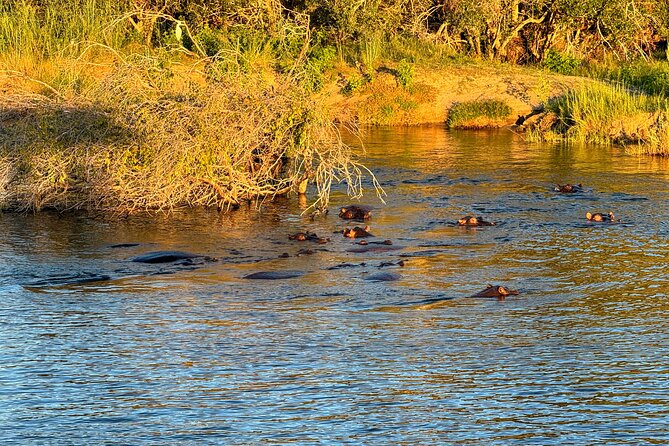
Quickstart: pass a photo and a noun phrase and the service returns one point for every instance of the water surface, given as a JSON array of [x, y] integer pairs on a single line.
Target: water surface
[[177, 355]]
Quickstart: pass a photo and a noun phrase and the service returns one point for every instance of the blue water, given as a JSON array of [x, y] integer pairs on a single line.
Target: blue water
[[159, 354]]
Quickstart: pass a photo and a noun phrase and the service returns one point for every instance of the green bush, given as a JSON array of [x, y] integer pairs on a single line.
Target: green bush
[[320, 60], [405, 72], [352, 85], [560, 63]]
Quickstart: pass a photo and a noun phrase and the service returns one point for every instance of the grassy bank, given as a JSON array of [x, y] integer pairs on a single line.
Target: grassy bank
[[607, 114]]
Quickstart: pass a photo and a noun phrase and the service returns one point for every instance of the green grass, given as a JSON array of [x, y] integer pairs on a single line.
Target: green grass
[[611, 113], [475, 113], [58, 27], [650, 77]]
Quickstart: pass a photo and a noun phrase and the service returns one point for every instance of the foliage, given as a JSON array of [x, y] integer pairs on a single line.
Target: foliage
[[560, 63], [130, 144], [321, 59], [477, 113], [405, 73], [648, 77], [353, 84]]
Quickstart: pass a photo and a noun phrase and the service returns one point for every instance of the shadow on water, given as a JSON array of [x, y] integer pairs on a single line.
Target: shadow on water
[[145, 353]]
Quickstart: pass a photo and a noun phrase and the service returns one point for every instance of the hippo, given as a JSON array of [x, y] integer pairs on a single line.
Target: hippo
[[568, 188], [310, 236], [273, 275], [355, 212], [365, 243], [599, 217], [169, 257], [474, 221], [357, 232], [497, 291], [398, 263]]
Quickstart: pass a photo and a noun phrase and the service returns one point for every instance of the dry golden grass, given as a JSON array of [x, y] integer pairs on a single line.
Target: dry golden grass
[[155, 135]]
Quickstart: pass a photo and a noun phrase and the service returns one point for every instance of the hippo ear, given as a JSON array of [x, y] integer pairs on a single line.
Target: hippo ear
[[367, 228], [502, 290], [342, 210], [489, 286]]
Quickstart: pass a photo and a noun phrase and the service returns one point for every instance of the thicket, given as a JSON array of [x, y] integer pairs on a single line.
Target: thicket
[[130, 107], [515, 30]]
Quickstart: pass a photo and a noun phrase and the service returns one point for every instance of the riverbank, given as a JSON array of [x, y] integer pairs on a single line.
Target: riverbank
[[434, 92], [540, 104]]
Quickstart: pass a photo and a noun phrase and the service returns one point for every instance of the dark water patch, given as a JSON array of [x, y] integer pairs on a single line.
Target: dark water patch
[[55, 281], [374, 248], [124, 245], [619, 196]]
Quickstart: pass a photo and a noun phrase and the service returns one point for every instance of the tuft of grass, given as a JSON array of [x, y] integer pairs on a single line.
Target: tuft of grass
[[36, 31], [478, 114]]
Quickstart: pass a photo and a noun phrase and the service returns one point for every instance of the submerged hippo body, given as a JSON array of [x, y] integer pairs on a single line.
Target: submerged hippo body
[[383, 277], [496, 291], [600, 216], [168, 257], [568, 188], [355, 212], [474, 221], [273, 275], [357, 232]]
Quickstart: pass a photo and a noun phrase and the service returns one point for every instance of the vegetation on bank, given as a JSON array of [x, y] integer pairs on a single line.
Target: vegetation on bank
[[482, 113], [601, 113], [153, 104]]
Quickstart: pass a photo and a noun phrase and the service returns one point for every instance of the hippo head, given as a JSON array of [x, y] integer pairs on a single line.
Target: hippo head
[[503, 291], [468, 220]]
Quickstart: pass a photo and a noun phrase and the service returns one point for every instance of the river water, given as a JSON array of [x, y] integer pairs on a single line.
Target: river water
[[178, 355]]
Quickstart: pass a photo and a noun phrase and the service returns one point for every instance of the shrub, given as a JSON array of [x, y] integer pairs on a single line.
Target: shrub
[[405, 72], [320, 60], [353, 84], [560, 63]]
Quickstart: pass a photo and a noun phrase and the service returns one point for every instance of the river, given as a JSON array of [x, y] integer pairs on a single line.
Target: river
[[199, 355]]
